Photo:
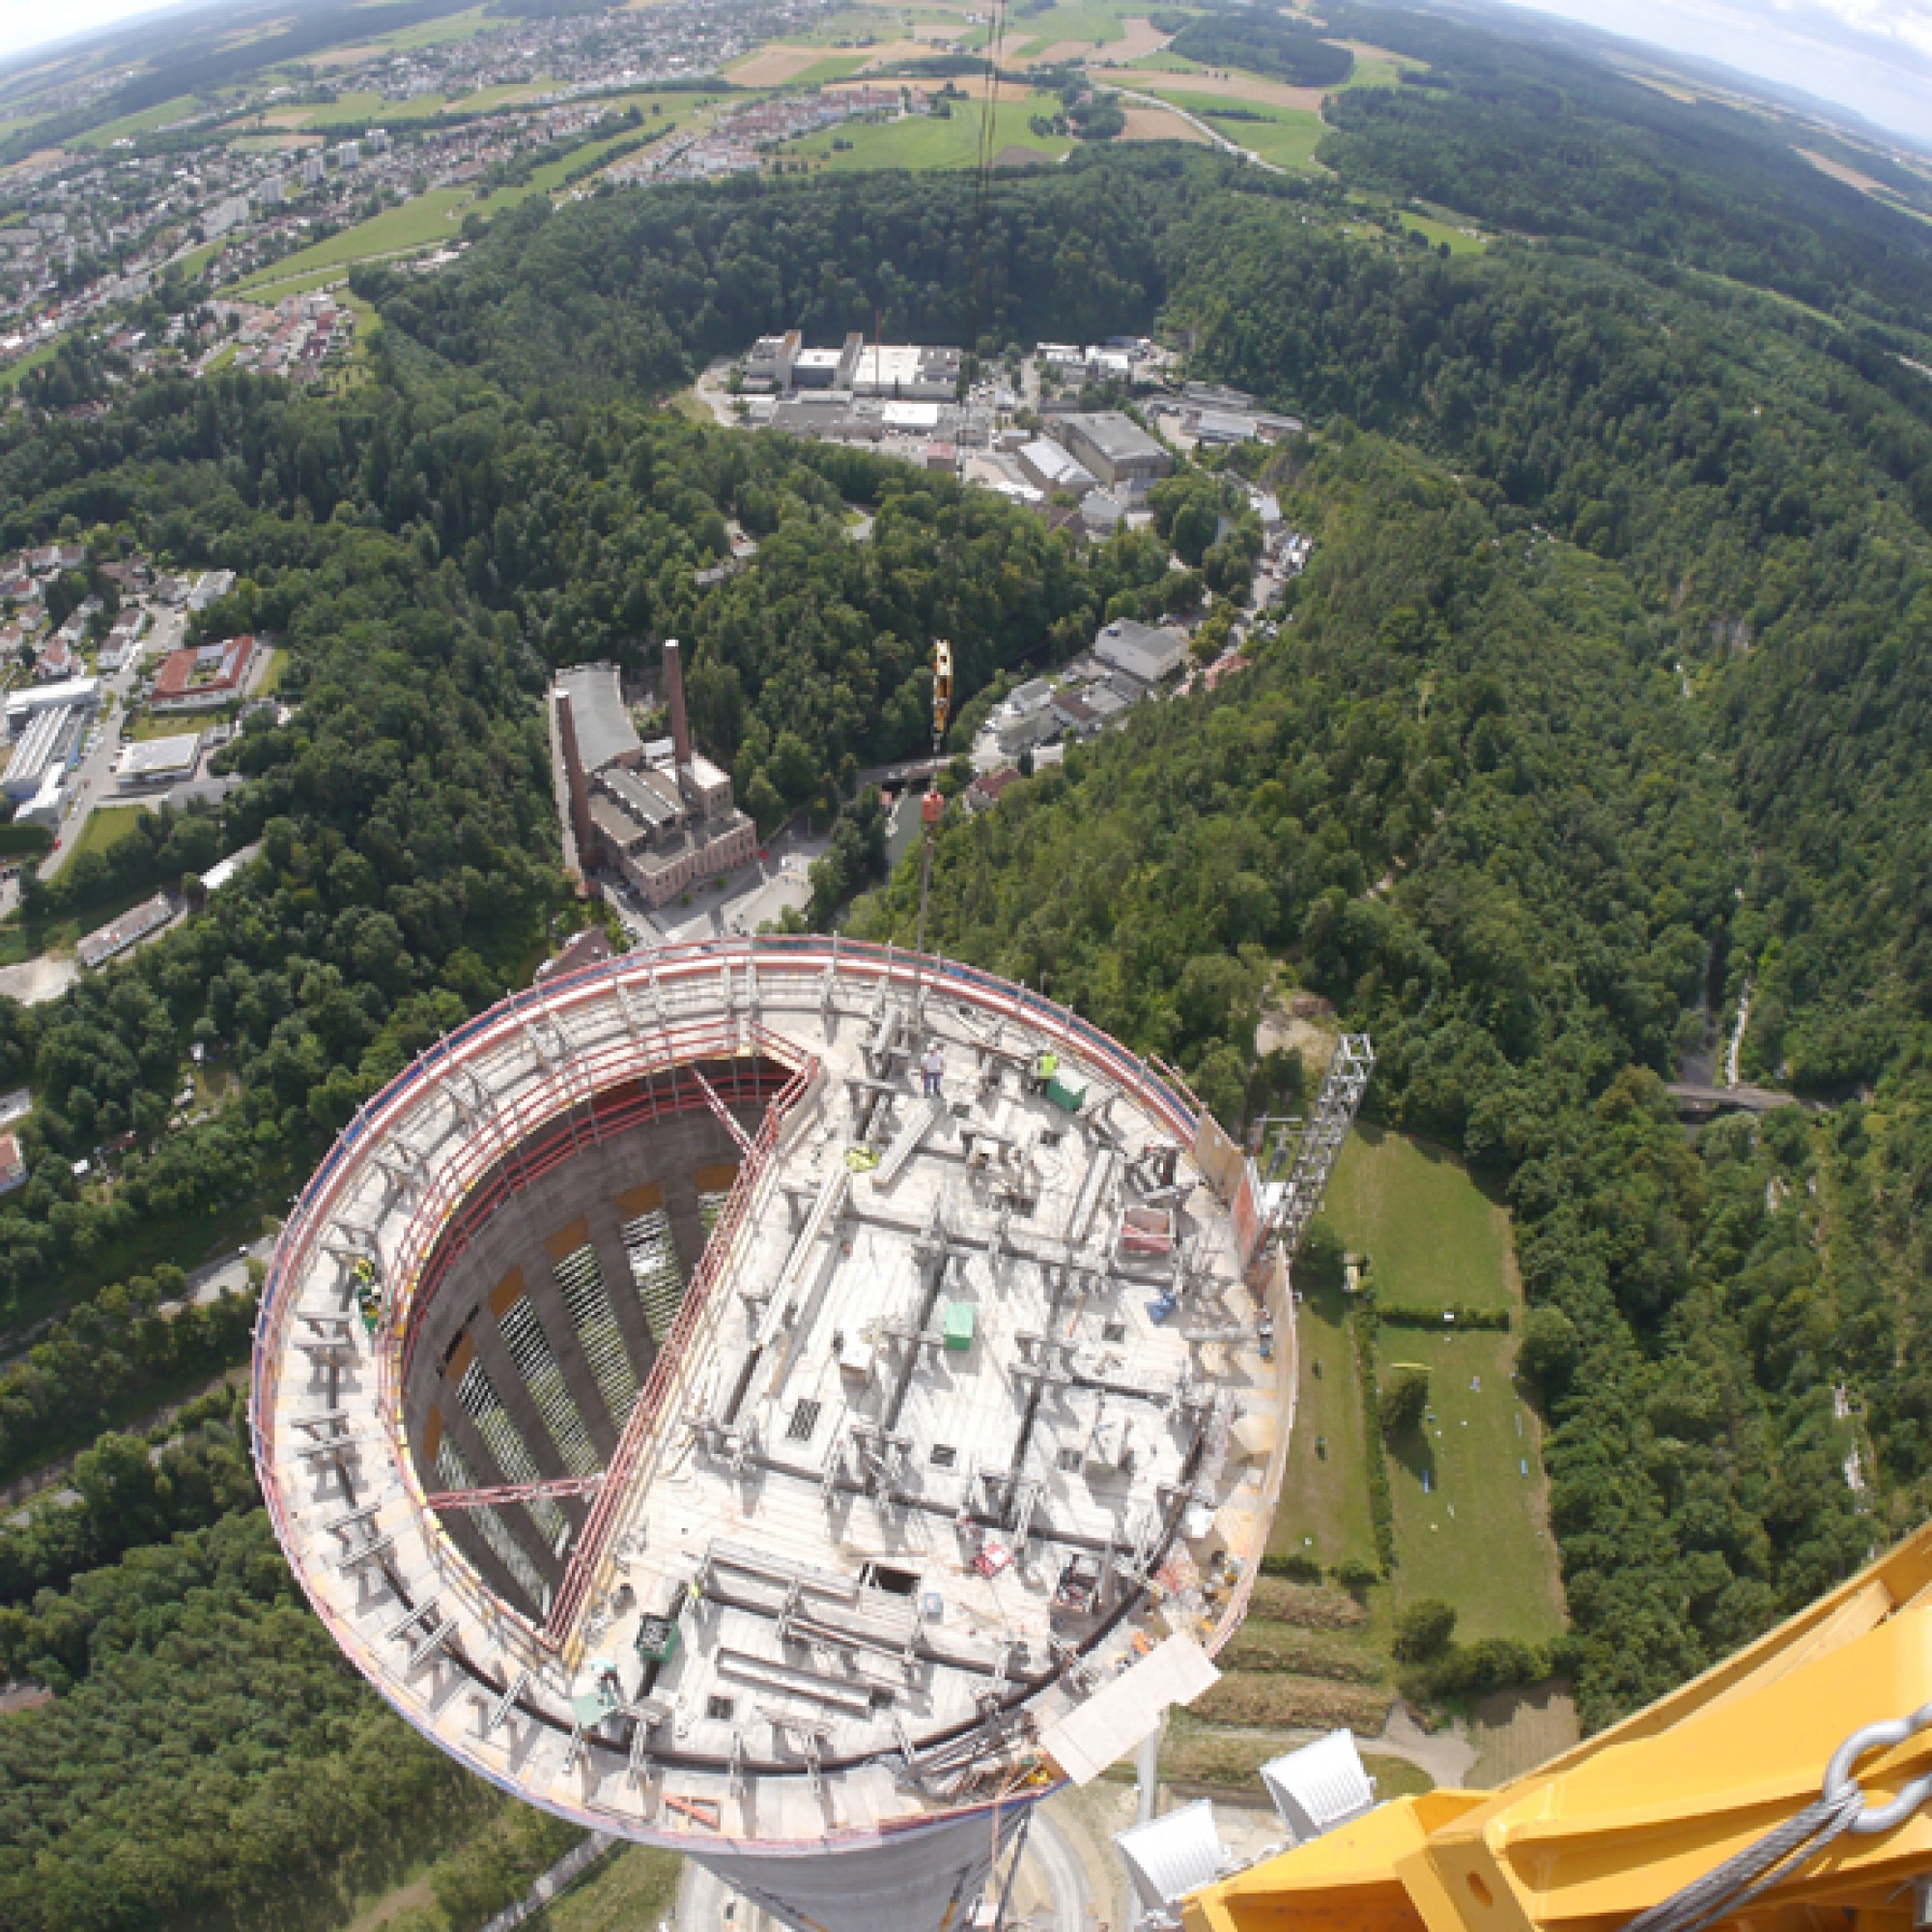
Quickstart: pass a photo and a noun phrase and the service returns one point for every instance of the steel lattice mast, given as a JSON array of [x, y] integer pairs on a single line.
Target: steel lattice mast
[[1318, 1143]]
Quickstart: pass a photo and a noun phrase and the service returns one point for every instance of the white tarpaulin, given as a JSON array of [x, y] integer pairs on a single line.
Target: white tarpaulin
[[1112, 1722]]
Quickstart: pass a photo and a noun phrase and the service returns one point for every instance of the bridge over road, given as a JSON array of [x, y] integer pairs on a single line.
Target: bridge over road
[[1696, 1101]]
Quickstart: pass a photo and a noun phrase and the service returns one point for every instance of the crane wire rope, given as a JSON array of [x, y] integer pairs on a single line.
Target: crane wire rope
[[982, 187], [1842, 1809], [931, 807]]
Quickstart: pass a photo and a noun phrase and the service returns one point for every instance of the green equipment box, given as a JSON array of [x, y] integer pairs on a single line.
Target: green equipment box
[[1064, 1094], [657, 1638], [959, 1325]]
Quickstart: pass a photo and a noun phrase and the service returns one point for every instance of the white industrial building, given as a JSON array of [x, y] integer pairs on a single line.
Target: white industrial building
[[45, 726], [904, 371], [1146, 653], [1054, 467], [152, 764], [22, 705]]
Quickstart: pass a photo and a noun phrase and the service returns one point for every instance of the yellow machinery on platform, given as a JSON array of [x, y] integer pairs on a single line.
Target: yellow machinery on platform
[[1779, 1791]]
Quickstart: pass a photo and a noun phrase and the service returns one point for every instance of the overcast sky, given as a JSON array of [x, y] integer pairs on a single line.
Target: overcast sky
[[1874, 56], [25, 24], [1871, 55]]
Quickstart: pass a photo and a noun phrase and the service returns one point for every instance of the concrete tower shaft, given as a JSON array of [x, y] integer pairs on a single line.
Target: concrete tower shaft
[[775, 1399]]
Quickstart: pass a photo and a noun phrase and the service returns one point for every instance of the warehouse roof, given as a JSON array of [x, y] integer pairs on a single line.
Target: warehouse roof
[[1144, 652], [1115, 436], [605, 733]]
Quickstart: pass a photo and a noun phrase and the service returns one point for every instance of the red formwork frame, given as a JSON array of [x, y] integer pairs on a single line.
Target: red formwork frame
[[569, 1093]]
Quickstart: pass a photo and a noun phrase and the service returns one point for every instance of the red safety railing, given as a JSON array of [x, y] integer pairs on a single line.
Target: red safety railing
[[672, 1362], [567, 1101]]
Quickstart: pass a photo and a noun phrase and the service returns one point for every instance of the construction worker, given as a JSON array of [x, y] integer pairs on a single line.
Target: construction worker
[[932, 1066], [1046, 1064]]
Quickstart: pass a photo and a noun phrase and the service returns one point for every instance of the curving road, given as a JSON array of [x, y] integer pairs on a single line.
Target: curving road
[[1212, 135]]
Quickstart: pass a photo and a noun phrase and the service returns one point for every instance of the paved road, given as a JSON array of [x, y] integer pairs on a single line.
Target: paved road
[[1211, 134], [213, 1279], [93, 784]]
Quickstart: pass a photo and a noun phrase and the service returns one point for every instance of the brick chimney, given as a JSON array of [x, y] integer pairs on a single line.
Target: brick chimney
[[580, 826], [680, 729]]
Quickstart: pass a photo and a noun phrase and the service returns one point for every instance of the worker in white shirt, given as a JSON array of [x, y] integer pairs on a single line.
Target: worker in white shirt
[[932, 1066]]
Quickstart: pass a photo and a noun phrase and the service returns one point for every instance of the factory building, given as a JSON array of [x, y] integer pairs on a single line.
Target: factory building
[[1053, 467], [1145, 653], [781, 365], [1114, 447], [45, 727], [152, 764], [662, 824]]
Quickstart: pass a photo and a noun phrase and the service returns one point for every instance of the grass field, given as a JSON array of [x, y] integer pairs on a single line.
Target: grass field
[[1432, 1234], [425, 222], [1324, 1497], [142, 123], [433, 32], [106, 828], [921, 142], [33, 359], [144, 727], [1459, 243], [194, 262], [431, 220], [1379, 69], [362, 105], [834, 66], [1467, 1488], [1282, 136], [634, 1888], [1467, 1527]]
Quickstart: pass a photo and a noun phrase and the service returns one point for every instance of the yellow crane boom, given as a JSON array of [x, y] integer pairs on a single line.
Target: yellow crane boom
[[1783, 1791]]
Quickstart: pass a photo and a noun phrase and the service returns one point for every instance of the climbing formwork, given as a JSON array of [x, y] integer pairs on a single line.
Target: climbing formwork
[[698, 1429]]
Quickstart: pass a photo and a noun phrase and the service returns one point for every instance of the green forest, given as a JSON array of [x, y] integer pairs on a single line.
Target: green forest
[[1606, 698]]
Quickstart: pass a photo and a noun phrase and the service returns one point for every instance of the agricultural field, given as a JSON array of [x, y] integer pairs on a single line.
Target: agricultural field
[[1286, 136], [1074, 30], [921, 142], [1307, 1658], [1194, 1754]]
